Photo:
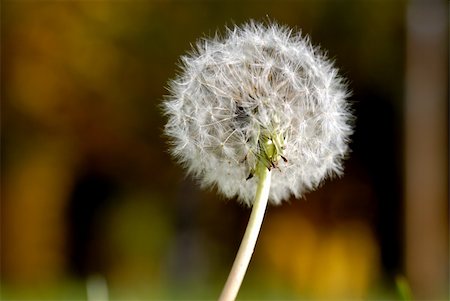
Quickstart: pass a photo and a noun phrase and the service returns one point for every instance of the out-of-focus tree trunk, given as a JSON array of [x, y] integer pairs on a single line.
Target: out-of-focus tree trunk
[[426, 164]]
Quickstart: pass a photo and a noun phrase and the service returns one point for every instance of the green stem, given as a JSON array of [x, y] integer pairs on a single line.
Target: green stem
[[248, 243]]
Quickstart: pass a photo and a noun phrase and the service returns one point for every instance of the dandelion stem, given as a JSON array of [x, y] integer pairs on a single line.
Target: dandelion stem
[[248, 243]]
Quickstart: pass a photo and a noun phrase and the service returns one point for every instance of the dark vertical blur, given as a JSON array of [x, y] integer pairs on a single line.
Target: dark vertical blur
[[426, 149], [93, 205]]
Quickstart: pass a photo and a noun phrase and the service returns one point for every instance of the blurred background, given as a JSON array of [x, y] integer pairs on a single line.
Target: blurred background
[[93, 207]]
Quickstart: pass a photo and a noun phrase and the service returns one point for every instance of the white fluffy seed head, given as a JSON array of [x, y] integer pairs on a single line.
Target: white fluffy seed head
[[260, 79]]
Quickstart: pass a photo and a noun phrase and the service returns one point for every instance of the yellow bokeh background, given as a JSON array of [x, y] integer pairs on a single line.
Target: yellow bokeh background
[[92, 203]]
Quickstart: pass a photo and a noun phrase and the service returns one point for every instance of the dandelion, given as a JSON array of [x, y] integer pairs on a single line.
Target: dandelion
[[260, 114]]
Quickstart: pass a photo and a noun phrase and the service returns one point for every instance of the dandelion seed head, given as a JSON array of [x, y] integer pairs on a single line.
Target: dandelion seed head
[[258, 80]]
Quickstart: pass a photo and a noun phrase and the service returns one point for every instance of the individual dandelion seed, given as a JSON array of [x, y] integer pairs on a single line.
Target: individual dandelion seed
[[261, 115]]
